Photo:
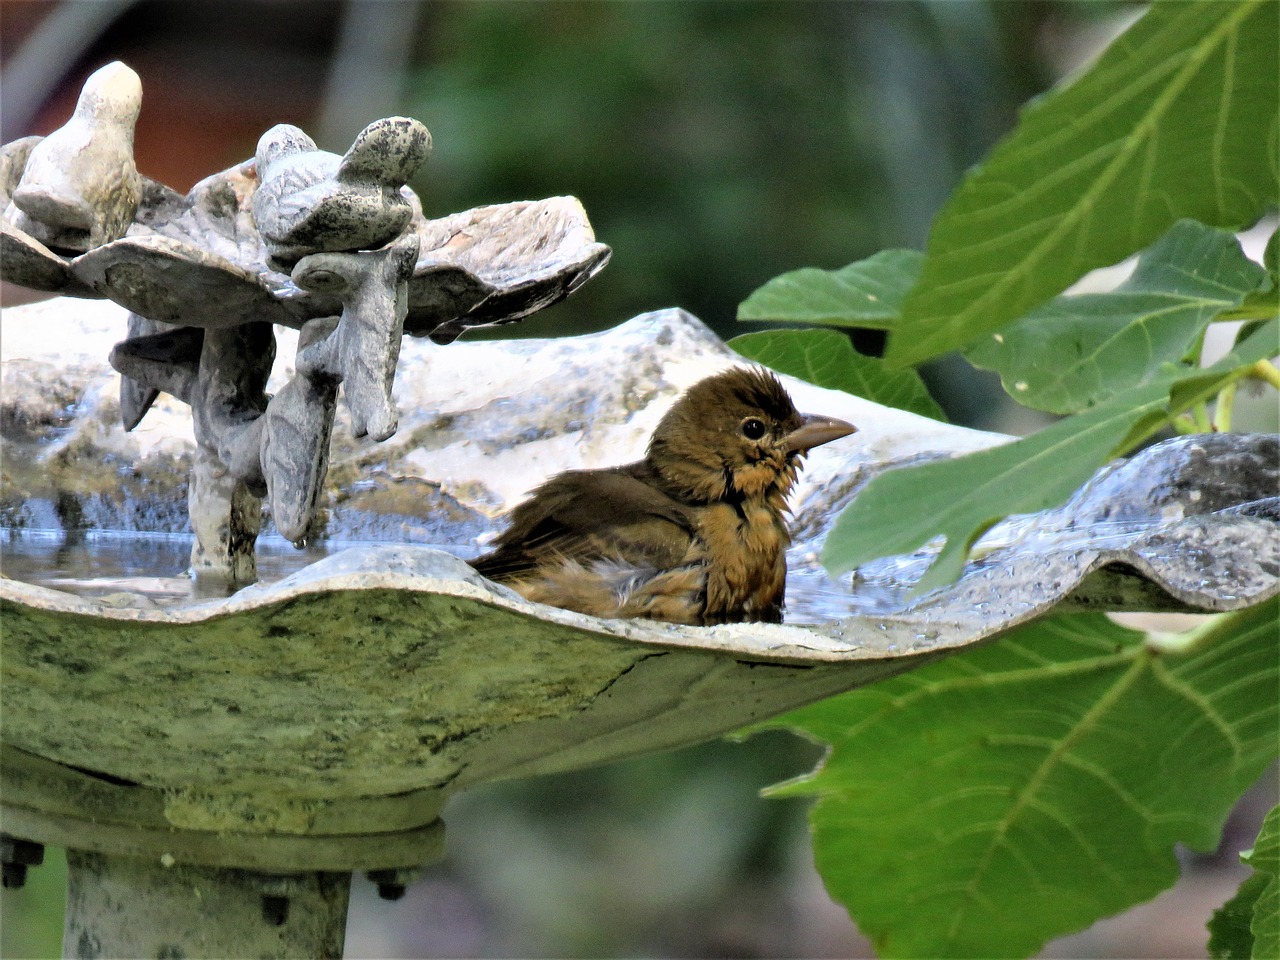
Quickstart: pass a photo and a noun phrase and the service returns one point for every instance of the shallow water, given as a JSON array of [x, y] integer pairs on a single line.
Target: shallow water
[[99, 563]]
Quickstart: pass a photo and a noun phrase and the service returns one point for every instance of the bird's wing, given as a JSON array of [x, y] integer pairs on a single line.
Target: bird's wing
[[591, 515]]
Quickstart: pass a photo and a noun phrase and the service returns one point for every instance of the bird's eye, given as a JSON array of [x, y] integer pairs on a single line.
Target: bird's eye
[[752, 428]]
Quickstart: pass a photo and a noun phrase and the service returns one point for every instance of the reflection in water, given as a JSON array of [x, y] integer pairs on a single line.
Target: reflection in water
[[98, 563]]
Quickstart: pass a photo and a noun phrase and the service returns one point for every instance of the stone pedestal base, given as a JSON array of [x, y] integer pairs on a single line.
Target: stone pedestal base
[[133, 907]]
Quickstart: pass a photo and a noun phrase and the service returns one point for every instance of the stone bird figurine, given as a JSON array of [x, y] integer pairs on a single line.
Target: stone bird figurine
[[694, 533], [80, 188], [309, 200]]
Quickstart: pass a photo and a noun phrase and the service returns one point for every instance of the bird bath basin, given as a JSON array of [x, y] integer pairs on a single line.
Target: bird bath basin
[[317, 720]]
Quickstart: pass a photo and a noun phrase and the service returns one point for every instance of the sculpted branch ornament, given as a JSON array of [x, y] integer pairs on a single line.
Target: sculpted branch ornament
[[336, 247]]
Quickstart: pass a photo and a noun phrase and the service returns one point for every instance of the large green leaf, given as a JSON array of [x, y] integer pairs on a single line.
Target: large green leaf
[[961, 498], [1265, 859], [984, 804], [1077, 351], [1178, 118], [868, 293], [827, 358]]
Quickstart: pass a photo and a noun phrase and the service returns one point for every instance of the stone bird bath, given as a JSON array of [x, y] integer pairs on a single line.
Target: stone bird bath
[[260, 747], [218, 767]]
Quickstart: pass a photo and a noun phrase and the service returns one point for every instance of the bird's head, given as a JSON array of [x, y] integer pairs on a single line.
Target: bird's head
[[736, 436]]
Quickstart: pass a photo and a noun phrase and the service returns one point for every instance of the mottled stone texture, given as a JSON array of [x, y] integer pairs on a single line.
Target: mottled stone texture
[[397, 672], [133, 907], [79, 187]]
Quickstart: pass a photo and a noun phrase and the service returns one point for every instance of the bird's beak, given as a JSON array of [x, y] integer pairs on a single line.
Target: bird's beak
[[814, 431]]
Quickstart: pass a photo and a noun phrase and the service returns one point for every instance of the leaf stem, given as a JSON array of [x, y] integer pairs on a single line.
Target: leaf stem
[[1189, 416], [1222, 411], [1258, 309], [1265, 371]]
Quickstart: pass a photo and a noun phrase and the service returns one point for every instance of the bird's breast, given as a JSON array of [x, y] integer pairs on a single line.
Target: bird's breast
[[746, 546]]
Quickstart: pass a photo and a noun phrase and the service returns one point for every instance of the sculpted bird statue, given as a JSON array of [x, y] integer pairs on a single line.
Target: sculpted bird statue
[[309, 200], [694, 533], [80, 188]]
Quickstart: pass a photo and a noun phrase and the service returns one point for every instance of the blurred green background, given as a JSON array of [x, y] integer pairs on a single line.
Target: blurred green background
[[714, 144]]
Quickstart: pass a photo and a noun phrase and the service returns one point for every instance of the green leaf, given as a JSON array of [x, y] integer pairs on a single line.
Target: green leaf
[[827, 358], [1265, 859], [1077, 351], [864, 294], [1229, 935], [1178, 118], [1248, 925], [984, 804], [1264, 302], [961, 498]]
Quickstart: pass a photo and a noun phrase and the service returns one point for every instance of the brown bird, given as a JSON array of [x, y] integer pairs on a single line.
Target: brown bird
[[693, 533]]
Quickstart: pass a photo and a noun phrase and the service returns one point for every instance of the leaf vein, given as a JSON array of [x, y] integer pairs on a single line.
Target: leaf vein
[[1028, 793]]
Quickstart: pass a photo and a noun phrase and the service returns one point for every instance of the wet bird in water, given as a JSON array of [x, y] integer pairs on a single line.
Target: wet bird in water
[[693, 533]]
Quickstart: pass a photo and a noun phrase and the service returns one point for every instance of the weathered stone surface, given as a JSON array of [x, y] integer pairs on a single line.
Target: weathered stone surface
[[507, 260], [204, 277], [79, 187], [68, 465], [351, 696], [311, 201], [128, 907], [377, 671]]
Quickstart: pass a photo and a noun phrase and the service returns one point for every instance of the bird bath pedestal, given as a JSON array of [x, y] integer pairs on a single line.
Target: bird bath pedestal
[[219, 768]]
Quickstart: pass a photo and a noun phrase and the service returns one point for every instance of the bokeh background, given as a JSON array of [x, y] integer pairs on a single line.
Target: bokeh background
[[714, 144]]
